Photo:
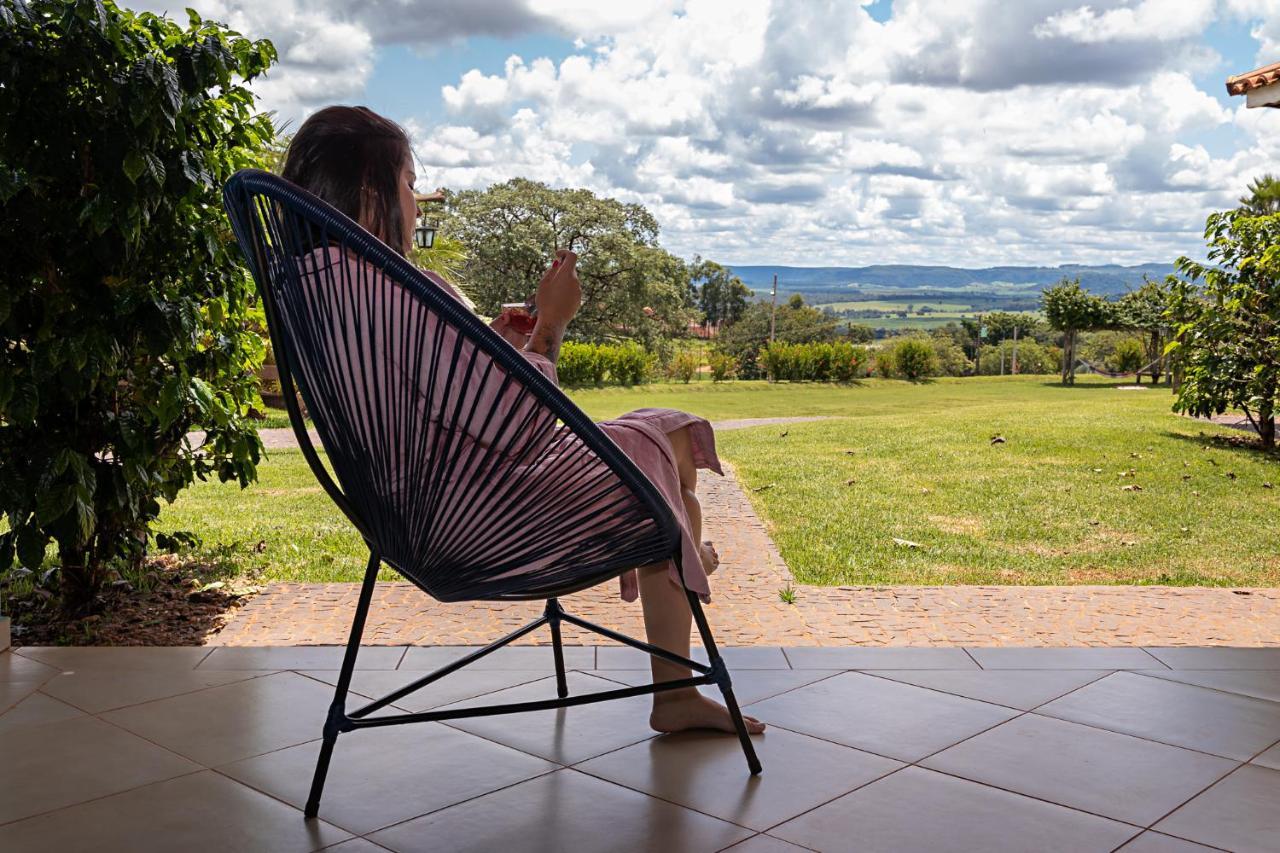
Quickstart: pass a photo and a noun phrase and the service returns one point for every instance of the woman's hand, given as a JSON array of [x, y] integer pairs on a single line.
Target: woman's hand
[[559, 295], [503, 325], [559, 292]]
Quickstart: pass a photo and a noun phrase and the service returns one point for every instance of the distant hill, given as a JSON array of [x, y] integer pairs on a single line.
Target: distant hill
[[1110, 279]]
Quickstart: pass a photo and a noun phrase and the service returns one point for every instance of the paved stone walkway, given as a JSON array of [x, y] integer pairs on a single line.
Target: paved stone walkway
[[747, 609]]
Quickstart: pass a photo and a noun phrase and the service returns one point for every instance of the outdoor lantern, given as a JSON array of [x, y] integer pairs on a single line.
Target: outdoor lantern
[[424, 230]]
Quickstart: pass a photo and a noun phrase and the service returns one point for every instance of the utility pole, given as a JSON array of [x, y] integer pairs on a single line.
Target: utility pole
[[773, 314], [1014, 370]]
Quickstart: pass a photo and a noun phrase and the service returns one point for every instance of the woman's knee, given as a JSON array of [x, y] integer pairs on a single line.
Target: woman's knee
[[682, 448]]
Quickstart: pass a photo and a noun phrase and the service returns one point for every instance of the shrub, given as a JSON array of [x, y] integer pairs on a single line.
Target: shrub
[[951, 358], [595, 364], [1127, 357], [813, 362], [914, 359], [123, 297], [1032, 358], [723, 366], [685, 365], [629, 364], [884, 364]]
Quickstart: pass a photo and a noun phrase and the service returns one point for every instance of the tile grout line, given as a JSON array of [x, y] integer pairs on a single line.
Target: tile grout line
[[1205, 686], [257, 674]]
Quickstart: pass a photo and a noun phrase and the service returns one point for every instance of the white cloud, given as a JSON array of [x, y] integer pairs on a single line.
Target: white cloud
[[967, 132]]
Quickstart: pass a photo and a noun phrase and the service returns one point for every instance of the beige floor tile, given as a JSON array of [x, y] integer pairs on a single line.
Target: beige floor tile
[[300, 657], [736, 658], [1155, 842], [706, 771], [765, 844], [1218, 657], [37, 709], [356, 845], [563, 811], [538, 658], [16, 667], [853, 657], [1258, 683], [1108, 774], [1073, 658], [1014, 688], [13, 692], [568, 735], [383, 776], [1270, 758], [235, 721], [60, 764], [1240, 813], [749, 685], [1224, 724], [192, 814], [80, 658], [456, 687], [98, 690], [881, 716], [918, 810]]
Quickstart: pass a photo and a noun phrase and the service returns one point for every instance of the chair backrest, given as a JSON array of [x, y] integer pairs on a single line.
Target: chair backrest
[[464, 467]]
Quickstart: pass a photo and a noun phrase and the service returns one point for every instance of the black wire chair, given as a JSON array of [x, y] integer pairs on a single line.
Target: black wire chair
[[463, 467]]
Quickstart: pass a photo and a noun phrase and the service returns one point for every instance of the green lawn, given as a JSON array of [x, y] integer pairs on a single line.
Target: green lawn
[[911, 462]]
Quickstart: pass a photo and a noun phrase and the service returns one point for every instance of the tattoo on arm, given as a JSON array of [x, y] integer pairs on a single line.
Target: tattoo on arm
[[546, 341]]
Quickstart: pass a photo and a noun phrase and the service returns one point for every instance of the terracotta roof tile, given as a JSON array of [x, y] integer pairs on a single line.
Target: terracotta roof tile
[[1256, 79]]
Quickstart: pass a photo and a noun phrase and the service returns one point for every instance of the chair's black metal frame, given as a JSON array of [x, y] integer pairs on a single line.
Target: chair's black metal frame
[[263, 209]]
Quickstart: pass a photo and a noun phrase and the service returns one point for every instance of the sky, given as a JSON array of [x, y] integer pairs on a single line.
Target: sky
[[812, 132]]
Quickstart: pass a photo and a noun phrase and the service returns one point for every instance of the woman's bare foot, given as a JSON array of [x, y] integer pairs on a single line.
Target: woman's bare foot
[[682, 710], [710, 559]]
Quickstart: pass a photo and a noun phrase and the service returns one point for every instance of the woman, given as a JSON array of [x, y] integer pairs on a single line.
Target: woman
[[669, 446]]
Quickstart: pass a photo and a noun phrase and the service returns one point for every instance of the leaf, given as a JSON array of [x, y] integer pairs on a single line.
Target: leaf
[[134, 165], [31, 545], [906, 543], [53, 504]]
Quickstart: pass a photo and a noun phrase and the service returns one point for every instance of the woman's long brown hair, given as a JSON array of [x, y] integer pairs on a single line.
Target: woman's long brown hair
[[351, 157]]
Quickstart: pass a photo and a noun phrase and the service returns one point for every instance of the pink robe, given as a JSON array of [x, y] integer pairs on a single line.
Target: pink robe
[[642, 434]]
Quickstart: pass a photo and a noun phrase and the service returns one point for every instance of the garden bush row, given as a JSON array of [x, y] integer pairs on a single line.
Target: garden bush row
[[604, 364], [814, 362]]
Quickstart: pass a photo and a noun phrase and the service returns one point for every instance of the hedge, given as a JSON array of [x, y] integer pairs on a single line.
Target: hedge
[[604, 364], [814, 362]]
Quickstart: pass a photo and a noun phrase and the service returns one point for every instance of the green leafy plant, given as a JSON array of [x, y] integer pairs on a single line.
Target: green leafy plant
[[915, 360], [123, 297], [1071, 309], [723, 366], [685, 365]]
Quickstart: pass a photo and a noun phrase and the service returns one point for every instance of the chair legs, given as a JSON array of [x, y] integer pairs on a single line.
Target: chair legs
[[553, 614], [721, 674], [337, 711]]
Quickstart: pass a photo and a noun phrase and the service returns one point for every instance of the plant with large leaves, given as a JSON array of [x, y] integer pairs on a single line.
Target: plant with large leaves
[[1229, 349], [122, 294]]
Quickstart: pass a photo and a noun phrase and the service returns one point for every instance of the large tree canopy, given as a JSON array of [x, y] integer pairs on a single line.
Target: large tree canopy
[[123, 296], [719, 294], [510, 232]]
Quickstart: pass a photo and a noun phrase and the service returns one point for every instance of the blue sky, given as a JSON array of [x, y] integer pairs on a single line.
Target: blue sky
[[816, 132]]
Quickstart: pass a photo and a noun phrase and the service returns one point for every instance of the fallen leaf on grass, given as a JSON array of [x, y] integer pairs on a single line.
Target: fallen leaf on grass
[[785, 433], [1097, 470], [1267, 486], [997, 439], [906, 543], [1231, 475], [1129, 473], [1133, 487], [850, 481], [763, 488]]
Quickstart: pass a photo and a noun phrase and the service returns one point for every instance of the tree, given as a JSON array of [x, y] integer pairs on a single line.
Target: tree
[[123, 297], [914, 359], [1144, 310], [510, 232], [1264, 196], [797, 323], [719, 294], [1230, 350], [1071, 309]]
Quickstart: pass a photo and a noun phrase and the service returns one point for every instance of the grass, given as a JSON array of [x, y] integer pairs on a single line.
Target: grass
[[907, 462]]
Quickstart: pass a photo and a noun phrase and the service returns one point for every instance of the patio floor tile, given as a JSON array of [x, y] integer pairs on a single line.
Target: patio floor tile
[[881, 716], [195, 813], [67, 658], [854, 657], [1015, 688], [738, 658], [1240, 813], [749, 685], [916, 809], [1077, 658], [224, 724], [706, 771], [1155, 842], [13, 692], [37, 709], [1258, 683], [15, 667], [98, 690], [1218, 658], [1108, 774], [563, 811], [567, 735], [384, 776], [538, 658], [1270, 758], [356, 845], [455, 687], [764, 844], [300, 657], [60, 764], [1224, 724]]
